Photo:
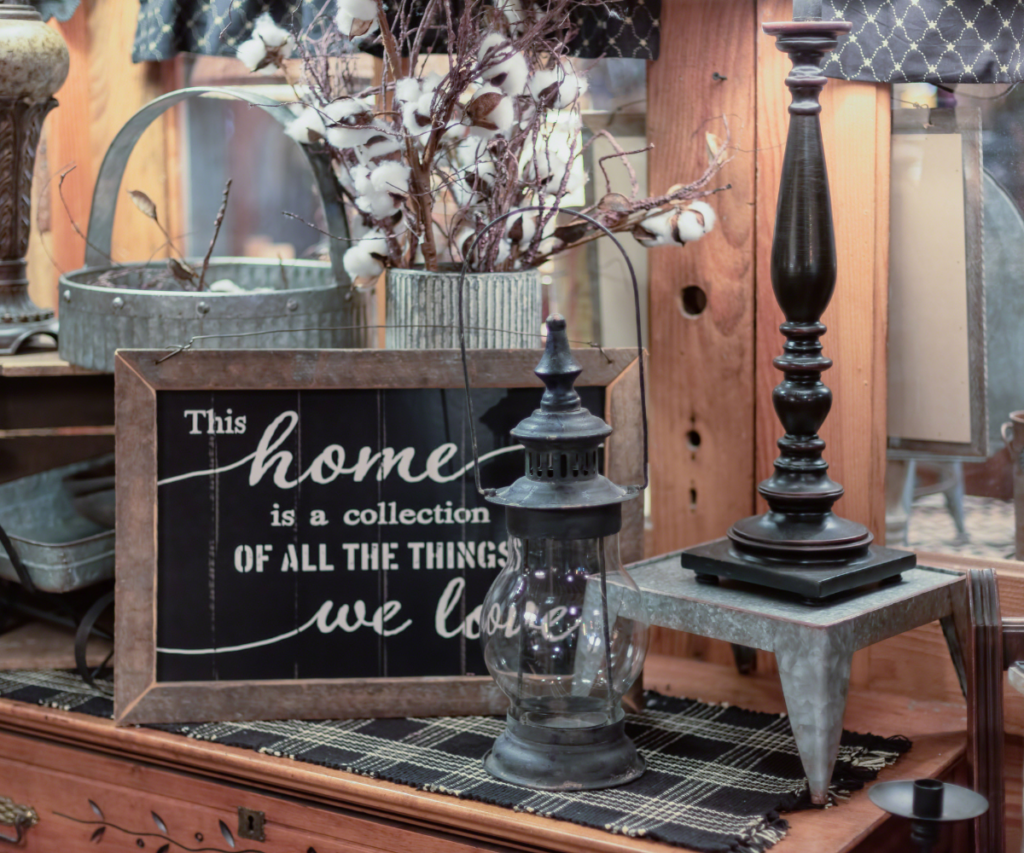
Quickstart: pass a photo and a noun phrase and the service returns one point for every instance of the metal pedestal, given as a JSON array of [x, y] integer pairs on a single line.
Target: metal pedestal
[[813, 645]]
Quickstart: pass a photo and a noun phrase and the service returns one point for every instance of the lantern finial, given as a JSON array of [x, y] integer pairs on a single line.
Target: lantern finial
[[558, 370]]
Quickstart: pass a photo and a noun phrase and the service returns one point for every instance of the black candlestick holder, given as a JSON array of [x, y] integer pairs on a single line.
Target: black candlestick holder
[[928, 804], [800, 545]]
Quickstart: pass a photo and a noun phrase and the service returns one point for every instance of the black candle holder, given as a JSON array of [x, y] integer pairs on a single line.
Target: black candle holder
[[928, 804], [800, 545]]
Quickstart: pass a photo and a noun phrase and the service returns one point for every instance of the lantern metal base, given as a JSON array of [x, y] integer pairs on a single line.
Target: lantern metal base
[[555, 759], [812, 579]]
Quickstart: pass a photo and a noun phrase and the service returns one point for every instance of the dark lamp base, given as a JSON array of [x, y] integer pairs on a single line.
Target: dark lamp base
[[550, 759], [14, 334], [813, 580]]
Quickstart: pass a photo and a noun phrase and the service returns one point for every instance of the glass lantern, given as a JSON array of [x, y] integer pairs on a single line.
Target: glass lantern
[[563, 627]]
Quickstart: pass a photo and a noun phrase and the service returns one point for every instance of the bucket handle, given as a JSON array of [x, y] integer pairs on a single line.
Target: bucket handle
[[111, 173], [1006, 430]]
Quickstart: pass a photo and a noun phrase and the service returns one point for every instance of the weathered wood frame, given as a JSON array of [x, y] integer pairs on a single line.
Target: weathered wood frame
[[138, 696]]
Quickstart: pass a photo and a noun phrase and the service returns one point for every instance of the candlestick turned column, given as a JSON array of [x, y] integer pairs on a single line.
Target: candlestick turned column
[[800, 545]]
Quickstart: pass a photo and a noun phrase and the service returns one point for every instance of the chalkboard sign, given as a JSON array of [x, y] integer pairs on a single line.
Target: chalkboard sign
[[299, 533]]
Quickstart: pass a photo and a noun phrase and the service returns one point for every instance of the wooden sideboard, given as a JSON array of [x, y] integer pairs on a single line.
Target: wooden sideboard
[[97, 786]]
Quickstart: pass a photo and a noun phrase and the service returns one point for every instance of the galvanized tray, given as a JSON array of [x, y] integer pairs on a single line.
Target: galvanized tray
[[61, 549], [313, 304]]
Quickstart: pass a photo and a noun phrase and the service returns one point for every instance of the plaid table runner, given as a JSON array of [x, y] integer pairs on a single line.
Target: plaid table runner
[[717, 776]]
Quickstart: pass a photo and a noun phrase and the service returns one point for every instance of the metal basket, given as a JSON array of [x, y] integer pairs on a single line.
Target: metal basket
[[319, 307]]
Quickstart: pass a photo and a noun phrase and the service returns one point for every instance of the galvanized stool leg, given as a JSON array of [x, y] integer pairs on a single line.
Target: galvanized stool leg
[[815, 672]]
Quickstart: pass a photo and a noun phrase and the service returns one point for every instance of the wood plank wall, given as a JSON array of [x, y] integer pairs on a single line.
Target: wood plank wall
[[702, 366], [103, 90]]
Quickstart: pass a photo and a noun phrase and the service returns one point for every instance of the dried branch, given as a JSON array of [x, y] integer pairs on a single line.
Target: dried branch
[[60, 192], [216, 232]]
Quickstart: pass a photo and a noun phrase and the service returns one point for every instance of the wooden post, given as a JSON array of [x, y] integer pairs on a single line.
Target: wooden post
[[702, 356]]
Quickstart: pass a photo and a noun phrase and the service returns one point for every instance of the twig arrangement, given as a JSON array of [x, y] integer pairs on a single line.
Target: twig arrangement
[[428, 158]]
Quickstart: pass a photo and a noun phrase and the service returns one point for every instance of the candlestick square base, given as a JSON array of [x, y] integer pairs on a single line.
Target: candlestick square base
[[813, 581]]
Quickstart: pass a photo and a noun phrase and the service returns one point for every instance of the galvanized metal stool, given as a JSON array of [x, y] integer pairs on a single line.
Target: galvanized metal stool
[[814, 646]]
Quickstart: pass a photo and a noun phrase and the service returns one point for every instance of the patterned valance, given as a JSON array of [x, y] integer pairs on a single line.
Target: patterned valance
[[619, 28], [929, 41]]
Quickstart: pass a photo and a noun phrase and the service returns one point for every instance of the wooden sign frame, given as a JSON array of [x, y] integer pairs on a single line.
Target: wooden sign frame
[[139, 377]]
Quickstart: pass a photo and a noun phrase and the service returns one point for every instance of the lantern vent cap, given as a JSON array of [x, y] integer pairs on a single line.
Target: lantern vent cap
[[562, 441]]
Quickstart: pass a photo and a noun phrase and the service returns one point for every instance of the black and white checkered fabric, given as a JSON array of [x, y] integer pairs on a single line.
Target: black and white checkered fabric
[[928, 41], [717, 776]]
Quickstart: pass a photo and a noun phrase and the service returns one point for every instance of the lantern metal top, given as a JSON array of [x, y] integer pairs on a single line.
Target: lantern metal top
[[562, 493]]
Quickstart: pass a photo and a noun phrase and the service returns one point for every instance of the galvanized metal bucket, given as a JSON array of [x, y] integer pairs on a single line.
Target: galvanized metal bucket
[[61, 549], [313, 304], [500, 310]]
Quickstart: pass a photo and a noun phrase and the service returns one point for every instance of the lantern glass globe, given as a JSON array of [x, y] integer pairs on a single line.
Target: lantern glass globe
[[564, 631]]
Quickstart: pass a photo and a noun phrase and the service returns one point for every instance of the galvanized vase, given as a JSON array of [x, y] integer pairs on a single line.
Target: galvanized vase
[[312, 304], [500, 310]]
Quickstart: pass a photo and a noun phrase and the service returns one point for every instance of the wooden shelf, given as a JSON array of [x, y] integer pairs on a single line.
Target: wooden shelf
[[937, 730], [40, 363], [39, 645]]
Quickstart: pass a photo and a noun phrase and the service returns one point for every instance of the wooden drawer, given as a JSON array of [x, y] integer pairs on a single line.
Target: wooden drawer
[[87, 801]]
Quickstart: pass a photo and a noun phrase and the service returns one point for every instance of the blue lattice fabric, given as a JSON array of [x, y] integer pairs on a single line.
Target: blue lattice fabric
[[929, 41], [618, 28]]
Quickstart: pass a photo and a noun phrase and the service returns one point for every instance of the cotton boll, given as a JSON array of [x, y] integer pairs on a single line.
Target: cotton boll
[[657, 230], [462, 242], [225, 285], [408, 89], [504, 67], [356, 18], [470, 150], [440, 244], [425, 104], [513, 12], [271, 34], [474, 184], [252, 54], [570, 88], [306, 126], [344, 176], [550, 245], [349, 112], [360, 177], [378, 205], [365, 258], [543, 85], [490, 112], [360, 264], [416, 118], [269, 45], [456, 131], [556, 88], [343, 137], [378, 148], [391, 177], [521, 229], [549, 170], [695, 221]]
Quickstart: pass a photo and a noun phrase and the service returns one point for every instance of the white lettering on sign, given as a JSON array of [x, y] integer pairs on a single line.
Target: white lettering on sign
[[329, 464]]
